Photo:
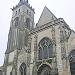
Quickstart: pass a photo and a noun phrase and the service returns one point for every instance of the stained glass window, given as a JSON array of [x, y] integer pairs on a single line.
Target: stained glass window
[[45, 49]]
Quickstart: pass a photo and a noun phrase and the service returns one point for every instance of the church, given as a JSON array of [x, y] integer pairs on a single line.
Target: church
[[47, 49]]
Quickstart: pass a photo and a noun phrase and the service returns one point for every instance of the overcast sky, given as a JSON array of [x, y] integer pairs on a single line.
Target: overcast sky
[[61, 8]]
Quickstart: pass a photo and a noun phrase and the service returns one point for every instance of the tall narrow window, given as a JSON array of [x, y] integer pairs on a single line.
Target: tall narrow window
[[27, 11], [11, 73], [16, 21], [45, 49], [28, 23], [19, 10], [23, 69]]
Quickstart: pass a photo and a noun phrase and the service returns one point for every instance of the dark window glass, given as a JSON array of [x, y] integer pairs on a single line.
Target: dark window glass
[[45, 53], [16, 21], [10, 73], [23, 69], [19, 10], [50, 48], [40, 53], [28, 23], [16, 12], [27, 11]]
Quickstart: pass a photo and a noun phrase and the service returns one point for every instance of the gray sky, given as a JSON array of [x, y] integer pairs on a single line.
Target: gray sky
[[61, 8]]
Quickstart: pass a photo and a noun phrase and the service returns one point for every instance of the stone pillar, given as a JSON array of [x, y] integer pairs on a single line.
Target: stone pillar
[[58, 50], [64, 47], [63, 50], [54, 63], [15, 62], [35, 53], [28, 54]]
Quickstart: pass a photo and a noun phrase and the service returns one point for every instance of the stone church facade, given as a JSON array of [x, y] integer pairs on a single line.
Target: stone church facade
[[47, 49]]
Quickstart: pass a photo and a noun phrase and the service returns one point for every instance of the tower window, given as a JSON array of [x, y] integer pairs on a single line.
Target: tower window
[[28, 23], [16, 12], [27, 11], [19, 10], [16, 21]]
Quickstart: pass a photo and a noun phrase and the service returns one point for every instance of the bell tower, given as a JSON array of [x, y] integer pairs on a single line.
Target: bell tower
[[21, 23], [23, 15]]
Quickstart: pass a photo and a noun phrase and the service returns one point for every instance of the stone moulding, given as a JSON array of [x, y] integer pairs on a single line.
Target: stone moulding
[[47, 25]]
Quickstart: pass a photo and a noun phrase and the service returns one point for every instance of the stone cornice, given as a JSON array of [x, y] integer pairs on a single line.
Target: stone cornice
[[48, 25]]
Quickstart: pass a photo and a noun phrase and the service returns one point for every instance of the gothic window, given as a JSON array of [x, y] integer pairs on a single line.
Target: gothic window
[[0, 72], [23, 69], [19, 10], [72, 62], [28, 23], [27, 11], [11, 73], [16, 21], [45, 49]]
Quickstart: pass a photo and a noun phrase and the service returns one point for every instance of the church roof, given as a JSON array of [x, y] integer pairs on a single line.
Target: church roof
[[46, 16]]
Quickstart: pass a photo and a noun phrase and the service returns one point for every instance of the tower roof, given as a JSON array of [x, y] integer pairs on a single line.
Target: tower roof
[[23, 2]]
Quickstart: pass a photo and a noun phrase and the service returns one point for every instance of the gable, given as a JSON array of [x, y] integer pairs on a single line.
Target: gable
[[46, 16]]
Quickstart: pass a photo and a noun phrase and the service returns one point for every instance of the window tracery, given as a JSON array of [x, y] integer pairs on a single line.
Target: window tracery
[[16, 21], [45, 49], [23, 69]]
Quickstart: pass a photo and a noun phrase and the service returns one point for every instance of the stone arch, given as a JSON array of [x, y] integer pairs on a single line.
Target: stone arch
[[72, 61], [47, 38], [45, 48], [22, 69], [44, 69]]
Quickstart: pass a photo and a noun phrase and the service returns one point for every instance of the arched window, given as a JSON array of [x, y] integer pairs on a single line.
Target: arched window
[[28, 23], [23, 69], [72, 62], [16, 21], [45, 48]]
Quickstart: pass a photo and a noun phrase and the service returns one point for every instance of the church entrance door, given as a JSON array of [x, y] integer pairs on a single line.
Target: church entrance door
[[44, 70]]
